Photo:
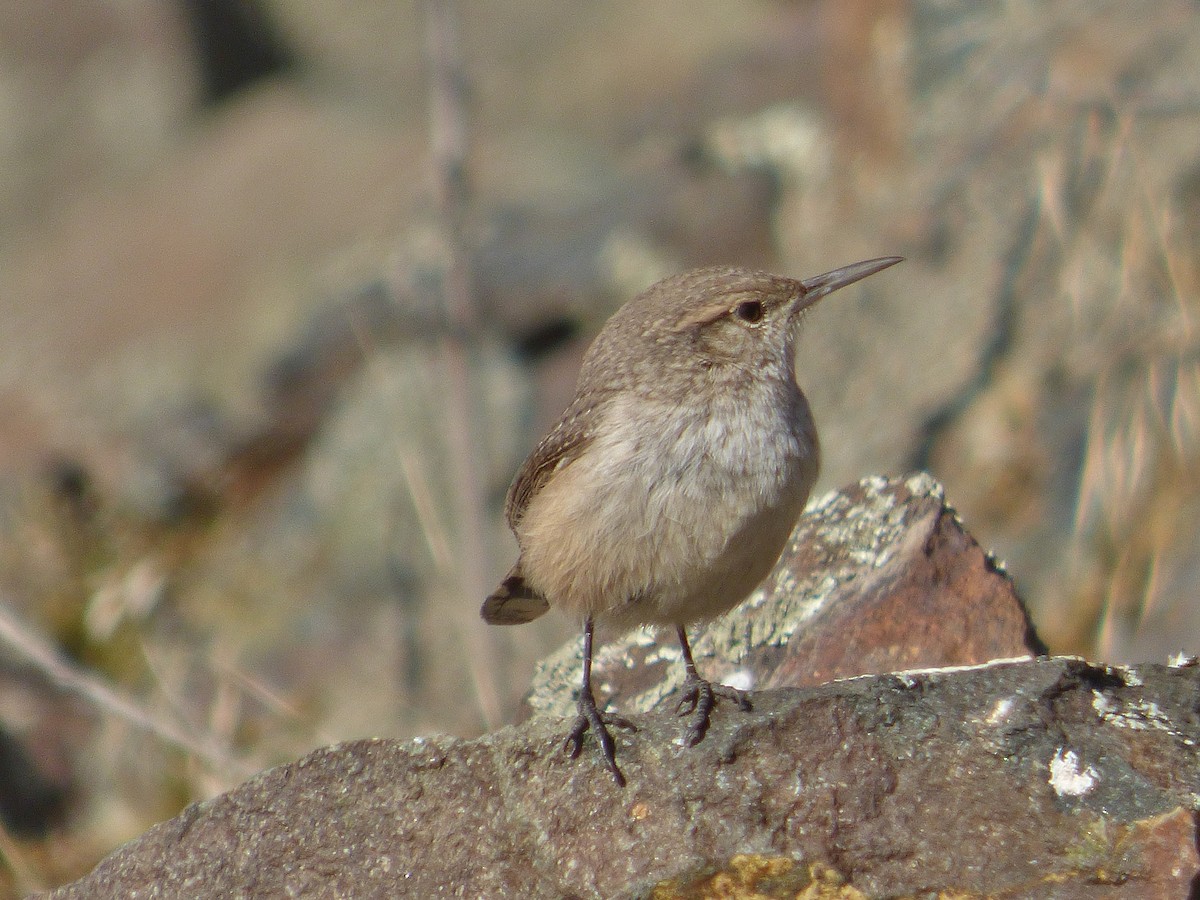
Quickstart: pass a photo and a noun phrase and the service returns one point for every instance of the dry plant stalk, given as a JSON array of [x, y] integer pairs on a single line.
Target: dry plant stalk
[[36, 651], [448, 150]]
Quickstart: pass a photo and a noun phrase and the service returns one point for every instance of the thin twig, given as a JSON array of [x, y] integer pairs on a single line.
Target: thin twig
[[39, 653], [448, 149]]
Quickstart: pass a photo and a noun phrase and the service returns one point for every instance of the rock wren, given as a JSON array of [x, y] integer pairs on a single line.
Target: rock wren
[[668, 488]]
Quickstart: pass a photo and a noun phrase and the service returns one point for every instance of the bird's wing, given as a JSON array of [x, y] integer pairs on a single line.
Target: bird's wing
[[562, 446], [514, 601]]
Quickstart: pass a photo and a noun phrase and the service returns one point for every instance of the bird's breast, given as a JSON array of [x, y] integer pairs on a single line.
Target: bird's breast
[[676, 510]]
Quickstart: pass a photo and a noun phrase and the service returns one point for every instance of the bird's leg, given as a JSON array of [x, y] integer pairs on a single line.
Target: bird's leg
[[700, 695], [591, 717]]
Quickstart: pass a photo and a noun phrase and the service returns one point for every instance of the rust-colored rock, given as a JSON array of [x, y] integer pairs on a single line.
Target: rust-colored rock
[[930, 597]]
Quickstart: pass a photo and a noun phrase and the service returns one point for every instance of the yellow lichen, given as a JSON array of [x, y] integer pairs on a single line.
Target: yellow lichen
[[750, 876]]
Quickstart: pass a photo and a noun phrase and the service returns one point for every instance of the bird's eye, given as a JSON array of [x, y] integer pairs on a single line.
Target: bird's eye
[[749, 311]]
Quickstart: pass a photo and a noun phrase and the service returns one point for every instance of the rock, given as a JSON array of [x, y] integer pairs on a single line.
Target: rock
[[1021, 777], [877, 577], [1033, 778]]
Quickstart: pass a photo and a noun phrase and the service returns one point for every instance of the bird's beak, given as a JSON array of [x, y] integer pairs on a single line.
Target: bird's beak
[[820, 285]]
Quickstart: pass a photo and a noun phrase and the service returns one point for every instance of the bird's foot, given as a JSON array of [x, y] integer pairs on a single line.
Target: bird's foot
[[590, 717], [699, 698]]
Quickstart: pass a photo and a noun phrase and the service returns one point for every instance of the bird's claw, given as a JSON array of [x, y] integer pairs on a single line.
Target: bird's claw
[[699, 698], [591, 718]]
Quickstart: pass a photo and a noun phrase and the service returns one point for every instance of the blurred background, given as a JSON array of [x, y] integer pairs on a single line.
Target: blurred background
[[288, 288]]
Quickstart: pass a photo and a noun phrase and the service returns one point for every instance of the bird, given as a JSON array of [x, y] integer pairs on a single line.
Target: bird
[[669, 486]]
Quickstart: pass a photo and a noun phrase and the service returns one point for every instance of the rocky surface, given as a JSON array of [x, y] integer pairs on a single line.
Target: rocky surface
[[1024, 777], [1036, 778]]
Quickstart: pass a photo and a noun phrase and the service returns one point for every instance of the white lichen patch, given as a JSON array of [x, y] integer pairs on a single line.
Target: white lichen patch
[[874, 484], [922, 484], [1128, 675], [1067, 778], [824, 503], [775, 629], [617, 652], [1136, 715]]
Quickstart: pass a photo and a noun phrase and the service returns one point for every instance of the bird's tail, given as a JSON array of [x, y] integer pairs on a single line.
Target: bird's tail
[[514, 602]]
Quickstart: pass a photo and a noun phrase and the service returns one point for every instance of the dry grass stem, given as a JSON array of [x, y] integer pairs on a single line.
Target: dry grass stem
[[37, 652], [448, 137], [436, 539]]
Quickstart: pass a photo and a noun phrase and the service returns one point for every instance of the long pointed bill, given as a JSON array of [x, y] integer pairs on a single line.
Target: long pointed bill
[[820, 285]]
